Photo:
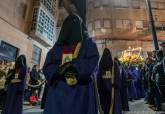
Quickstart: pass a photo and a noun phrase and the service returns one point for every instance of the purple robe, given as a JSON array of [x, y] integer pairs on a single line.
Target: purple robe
[[139, 89], [105, 91], [15, 92], [131, 86], [63, 99], [124, 90]]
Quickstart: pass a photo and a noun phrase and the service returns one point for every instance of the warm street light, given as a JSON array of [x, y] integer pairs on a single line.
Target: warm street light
[[152, 25]]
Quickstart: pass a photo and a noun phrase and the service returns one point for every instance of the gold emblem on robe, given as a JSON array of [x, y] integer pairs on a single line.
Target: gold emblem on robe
[[107, 75]]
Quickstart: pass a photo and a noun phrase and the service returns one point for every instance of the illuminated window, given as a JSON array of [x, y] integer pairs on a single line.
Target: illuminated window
[[123, 24], [90, 27], [141, 25]]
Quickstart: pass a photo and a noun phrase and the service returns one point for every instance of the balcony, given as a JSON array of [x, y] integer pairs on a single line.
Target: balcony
[[43, 27]]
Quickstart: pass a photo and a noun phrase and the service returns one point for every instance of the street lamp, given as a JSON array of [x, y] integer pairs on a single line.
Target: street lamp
[[152, 25]]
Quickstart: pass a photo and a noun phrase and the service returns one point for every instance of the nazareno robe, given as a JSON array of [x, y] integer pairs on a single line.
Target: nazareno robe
[[15, 93], [132, 93], [124, 90], [105, 91], [63, 99]]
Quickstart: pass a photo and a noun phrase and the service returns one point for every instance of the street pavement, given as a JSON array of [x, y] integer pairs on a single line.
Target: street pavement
[[136, 107], [139, 107], [32, 110]]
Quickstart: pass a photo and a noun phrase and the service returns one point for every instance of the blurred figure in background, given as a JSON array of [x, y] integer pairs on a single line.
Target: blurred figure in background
[[124, 86], [35, 78], [16, 87], [158, 79]]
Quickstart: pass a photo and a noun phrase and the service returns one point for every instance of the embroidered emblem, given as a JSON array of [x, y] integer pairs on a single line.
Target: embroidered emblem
[[66, 58], [107, 75]]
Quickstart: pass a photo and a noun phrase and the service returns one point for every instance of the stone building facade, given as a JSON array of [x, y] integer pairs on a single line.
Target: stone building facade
[[118, 24], [28, 27]]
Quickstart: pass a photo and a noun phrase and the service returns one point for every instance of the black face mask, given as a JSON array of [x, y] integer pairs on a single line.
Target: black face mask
[[20, 62], [106, 61]]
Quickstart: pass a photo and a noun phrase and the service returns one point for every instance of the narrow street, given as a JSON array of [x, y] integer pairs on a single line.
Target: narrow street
[[139, 106], [136, 107], [32, 110]]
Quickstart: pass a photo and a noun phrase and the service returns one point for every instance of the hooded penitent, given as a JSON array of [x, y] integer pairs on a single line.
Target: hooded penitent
[[15, 89], [109, 90], [72, 59]]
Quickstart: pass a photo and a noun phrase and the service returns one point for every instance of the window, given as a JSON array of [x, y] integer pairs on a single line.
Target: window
[[123, 24], [51, 5], [97, 24], [136, 4], [90, 27], [107, 23], [139, 25], [105, 2], [10, 52], [36, 55], [43, 24], [145, 24], [126, 24], [97, 3], [121, 3], [119, 24]]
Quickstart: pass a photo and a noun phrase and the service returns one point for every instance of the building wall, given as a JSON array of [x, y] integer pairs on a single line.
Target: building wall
[[116, 47], [22, 41], [17, 13], [124, 37], [15, 23]]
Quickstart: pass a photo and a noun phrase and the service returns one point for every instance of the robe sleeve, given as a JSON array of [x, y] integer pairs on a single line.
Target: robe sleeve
[[50, 66], [86, 64]]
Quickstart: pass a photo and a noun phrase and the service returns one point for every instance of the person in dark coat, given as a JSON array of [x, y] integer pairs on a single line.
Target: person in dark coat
[[109, 84], [159, 80], [68, 68], [35, 79], [16, 88]]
